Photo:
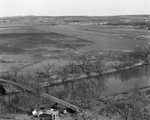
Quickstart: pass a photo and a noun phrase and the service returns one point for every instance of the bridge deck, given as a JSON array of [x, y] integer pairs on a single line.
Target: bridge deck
[[50, 97]]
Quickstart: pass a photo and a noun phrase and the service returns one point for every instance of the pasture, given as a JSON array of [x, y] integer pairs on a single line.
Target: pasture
[[104, 38], [27, 45], [24, 46]]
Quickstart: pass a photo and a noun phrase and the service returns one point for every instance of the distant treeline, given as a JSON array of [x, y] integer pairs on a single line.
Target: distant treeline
[[135, 20], [138, 24]]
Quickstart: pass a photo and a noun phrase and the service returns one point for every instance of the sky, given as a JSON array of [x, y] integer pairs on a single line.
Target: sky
[[73, 7]]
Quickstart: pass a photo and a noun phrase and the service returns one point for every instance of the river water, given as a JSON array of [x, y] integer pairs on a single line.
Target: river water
[[108, 84], [127, 80]]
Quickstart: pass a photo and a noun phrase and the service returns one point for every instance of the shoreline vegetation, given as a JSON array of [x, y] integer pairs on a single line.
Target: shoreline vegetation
[[92, 76], [82, 62]]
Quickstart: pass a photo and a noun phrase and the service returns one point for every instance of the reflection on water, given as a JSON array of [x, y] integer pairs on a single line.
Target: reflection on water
[[108, 84], [80, 90], [127, 80]]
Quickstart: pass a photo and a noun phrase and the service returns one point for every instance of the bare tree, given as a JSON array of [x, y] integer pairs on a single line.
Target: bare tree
[[128, 108], [98, 64], [84, 62], [141, 53], [121, 60], [15, 70], [85, 115], [47, 71]]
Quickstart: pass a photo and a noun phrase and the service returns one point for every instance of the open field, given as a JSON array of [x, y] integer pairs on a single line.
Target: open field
[[31, 39], [28, 45], [103, 37]]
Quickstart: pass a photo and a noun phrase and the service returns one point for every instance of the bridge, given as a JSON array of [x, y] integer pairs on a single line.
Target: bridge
[[42, 94]]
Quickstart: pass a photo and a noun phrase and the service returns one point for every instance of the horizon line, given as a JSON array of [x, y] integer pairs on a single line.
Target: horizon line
[[73, 15]]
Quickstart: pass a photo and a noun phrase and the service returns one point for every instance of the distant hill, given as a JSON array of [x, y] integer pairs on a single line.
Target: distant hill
[[80, 20]]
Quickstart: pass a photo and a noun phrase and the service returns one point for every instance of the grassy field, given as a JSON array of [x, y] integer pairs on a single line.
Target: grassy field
[[35, 45], [29, 45], [103, 37]]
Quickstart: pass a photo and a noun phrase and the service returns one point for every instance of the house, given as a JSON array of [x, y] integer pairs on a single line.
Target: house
[[45, 114], [53, 113]]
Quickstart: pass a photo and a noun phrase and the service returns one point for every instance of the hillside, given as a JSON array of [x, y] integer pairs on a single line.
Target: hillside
[[94, 20]]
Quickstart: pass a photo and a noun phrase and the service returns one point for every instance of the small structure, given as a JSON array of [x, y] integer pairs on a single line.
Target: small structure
[[46, 114], [53, 113]]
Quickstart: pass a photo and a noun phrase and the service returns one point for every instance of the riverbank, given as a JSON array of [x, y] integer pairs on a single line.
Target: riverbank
[[82, 77], [146, 88]]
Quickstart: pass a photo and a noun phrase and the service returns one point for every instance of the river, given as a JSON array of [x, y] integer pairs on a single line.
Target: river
[[127, 80], [115, 82]]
